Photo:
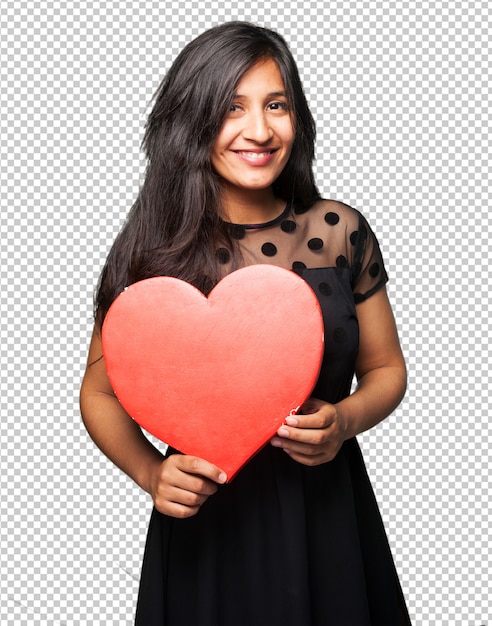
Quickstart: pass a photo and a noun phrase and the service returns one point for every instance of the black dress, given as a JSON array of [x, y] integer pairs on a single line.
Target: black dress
[[285, 544]]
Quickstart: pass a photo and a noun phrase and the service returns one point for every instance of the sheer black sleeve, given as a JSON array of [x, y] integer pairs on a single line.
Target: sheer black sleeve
[[368, 271]]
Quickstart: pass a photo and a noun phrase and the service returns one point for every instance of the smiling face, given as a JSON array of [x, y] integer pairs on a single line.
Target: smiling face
[[255, 141]]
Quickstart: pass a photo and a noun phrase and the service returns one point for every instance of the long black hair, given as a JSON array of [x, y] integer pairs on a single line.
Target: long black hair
[[174, 227]]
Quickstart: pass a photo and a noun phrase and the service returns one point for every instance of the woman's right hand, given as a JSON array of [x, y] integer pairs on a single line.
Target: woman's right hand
[[178, 484], [181, 484]]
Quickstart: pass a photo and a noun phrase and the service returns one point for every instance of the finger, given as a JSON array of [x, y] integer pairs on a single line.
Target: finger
[[320, 419], [309, 448], [177, 478], [173, 500], [311, 405], [308, 460], [187, 489], [174, 509], [200, 467], [313, 436], [188, 498], [308, 454]]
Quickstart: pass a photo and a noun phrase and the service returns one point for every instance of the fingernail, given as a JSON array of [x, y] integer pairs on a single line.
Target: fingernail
[[283, 432], [276, 442], [291, 421], [222, 478]]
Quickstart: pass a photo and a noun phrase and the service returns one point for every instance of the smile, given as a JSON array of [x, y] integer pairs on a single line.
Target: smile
[[255, 155], [256, 158]]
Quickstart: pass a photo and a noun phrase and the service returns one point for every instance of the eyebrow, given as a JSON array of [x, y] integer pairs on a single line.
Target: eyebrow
[[272, 94]]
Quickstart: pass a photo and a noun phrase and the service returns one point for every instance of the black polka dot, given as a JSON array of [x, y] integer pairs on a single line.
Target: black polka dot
[[332, 218], [269, 249], [374, 270], [238, 232], [325, 289], [342, 261], [288, 226], [339, 335], [298, 265], [223, 255], [315, 244], [354, 237]]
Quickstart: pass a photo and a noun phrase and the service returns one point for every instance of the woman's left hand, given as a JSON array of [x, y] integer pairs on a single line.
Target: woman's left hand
[[314, 435]]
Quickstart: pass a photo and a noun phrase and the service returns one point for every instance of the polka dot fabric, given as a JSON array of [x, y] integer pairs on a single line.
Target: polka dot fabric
[[330, 235], [334, 249]]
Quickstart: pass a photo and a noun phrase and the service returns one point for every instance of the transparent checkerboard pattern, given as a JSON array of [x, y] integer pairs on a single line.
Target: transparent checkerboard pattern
[[401, 96]]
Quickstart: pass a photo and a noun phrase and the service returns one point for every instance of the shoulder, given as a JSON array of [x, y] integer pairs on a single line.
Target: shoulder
[[335, 214], [335, 210]]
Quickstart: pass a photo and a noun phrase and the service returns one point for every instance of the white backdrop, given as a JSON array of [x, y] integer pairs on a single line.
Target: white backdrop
[[401, 94]]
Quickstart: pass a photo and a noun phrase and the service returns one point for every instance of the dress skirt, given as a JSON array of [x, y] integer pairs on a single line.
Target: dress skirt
[[282, 544]]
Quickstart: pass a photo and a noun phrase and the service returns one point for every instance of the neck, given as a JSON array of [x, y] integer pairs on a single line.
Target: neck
[[252, 207]]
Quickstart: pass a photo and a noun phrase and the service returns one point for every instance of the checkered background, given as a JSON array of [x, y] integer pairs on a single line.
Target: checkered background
[[400, 91]]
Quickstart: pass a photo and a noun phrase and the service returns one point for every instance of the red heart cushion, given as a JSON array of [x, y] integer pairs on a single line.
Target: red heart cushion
[[215, 377]]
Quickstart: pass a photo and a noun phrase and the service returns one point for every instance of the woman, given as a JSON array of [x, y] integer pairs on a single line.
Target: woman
[[296, 538]]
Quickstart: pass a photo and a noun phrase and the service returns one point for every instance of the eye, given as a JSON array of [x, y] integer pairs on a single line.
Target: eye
[[234, 110], [278, 106]]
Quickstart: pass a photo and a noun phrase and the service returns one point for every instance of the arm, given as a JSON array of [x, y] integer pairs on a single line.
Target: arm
[[179, 484], [317, 435]]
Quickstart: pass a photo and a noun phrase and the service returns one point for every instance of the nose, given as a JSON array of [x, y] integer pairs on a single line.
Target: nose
[[257, 127]]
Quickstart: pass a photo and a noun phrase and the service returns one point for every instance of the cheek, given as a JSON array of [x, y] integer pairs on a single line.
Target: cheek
[[220, 147], [288, 135], [226, 135], [289, 143], [214, 155], [217, 151]]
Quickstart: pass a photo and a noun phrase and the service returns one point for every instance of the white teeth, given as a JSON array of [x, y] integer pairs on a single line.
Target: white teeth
[[255, 155]]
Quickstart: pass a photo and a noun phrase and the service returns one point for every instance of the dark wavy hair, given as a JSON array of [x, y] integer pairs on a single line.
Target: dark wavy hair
[[174, 226]]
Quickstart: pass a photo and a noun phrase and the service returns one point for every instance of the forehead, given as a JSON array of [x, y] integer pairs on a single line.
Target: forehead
[[262, 76]]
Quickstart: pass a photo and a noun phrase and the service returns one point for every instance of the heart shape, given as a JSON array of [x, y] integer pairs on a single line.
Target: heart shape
[[215, 377]]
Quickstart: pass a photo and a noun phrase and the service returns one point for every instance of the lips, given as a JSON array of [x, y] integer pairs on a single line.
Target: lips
[[255, 157]]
